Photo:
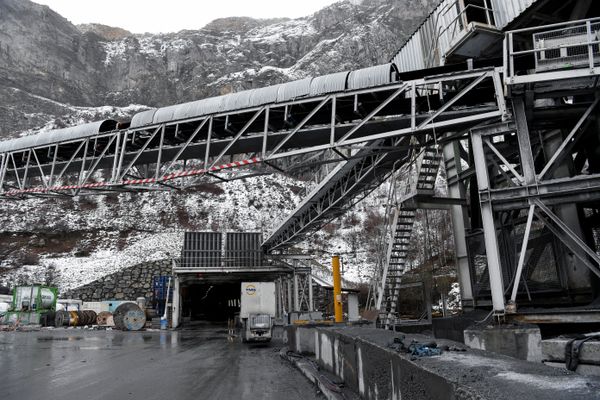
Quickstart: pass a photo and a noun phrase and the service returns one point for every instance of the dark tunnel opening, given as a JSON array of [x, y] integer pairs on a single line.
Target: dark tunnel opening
[[214, 302]]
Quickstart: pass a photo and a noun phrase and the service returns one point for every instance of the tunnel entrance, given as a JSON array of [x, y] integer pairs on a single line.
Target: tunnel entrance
[[214, 302]]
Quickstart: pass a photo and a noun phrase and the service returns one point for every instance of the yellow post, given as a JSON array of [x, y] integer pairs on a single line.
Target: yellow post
[[337, 289]]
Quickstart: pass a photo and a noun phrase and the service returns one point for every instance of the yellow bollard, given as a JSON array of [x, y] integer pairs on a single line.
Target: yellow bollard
[[337, 289]]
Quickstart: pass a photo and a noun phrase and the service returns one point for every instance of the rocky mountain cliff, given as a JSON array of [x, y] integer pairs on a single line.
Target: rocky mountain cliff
[[54, 74], [43, 54]]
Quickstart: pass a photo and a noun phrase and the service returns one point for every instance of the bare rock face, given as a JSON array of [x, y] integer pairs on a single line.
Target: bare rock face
[[104, 31], [42, 54], [54, 74]]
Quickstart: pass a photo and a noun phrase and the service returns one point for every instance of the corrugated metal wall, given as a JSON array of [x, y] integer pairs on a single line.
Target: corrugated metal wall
[[432, 40], [205, 250], [243, 249], [507, 10], [201, 250]]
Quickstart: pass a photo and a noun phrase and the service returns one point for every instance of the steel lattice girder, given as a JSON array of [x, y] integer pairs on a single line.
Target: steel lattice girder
[[143, 158]]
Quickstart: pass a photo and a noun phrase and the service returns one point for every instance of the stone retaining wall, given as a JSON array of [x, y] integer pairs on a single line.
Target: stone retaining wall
[[129, 283]]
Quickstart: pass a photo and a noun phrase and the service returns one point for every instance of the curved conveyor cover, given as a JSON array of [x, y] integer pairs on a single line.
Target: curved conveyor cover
[[58, 135]]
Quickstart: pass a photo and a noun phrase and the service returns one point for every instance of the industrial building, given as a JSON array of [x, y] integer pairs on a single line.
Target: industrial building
[[503, 95]]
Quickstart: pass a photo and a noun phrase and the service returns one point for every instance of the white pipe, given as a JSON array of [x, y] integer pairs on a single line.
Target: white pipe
[[167, 300]]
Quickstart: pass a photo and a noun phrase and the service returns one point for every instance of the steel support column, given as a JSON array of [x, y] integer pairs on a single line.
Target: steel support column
[[456, 190], [489, 227]]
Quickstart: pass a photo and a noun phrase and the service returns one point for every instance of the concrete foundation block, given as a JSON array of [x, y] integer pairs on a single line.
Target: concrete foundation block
[[582, 369], [374, 371], [362, 358], [522, 342], [554, 350], [301, 339]]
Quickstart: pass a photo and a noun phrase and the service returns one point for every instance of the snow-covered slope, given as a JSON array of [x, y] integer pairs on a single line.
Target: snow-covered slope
[[56, 75]]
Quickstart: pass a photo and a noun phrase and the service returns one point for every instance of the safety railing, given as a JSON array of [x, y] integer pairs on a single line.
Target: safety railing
[[557, 51], [458, 19]]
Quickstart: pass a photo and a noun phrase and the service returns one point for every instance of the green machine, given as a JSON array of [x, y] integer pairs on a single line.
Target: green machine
[[32, 305]]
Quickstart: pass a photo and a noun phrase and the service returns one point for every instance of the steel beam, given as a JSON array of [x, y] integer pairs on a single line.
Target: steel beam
[[489, 228]]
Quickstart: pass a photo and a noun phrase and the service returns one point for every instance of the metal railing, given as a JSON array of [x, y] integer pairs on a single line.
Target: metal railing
[[557, 51], [459, 24]]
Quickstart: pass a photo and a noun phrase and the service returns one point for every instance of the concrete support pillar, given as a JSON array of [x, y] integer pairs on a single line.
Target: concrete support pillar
[[489, 228], [456, 190], [176, 302]]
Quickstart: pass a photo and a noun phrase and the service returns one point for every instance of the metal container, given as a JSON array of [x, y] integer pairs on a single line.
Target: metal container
[[70, 305], [258, 298], [243, 249], [97, 306], [201, 250], [129, 317], [34, 298]]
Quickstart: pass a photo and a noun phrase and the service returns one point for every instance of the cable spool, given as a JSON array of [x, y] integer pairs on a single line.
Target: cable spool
[[74, 318], [88, 318], [129, 317], [61, 319], [104, 318]]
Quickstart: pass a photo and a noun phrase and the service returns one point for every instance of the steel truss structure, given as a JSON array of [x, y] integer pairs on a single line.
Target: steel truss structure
[[519, 144], [528, 231], [176, 154]]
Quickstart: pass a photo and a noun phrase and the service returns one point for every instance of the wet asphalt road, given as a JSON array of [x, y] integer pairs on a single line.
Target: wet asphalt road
[[190, 364]]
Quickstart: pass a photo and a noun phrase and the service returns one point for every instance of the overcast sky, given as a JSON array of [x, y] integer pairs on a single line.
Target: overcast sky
[[141, 16]]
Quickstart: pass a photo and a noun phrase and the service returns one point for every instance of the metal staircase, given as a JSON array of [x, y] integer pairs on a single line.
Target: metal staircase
[[417, 181]]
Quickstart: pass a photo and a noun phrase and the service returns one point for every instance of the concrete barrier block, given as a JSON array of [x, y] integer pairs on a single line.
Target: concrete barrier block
[[582, 369], [374, 371], [554, 350], [522, 342], [411, 382]]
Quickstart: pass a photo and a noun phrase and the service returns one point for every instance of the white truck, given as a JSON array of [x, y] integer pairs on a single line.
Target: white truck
[[258, 308]]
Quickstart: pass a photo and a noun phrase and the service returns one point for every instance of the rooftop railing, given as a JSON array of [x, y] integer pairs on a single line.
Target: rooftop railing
[[552, 52]]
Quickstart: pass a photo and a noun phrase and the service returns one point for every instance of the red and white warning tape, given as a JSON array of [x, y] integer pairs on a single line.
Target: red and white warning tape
[[130, 182]]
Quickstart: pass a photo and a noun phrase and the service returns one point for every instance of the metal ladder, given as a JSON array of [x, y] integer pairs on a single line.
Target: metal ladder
[[421, 182]]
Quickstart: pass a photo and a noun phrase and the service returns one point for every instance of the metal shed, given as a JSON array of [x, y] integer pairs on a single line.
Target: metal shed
[[447, 26]]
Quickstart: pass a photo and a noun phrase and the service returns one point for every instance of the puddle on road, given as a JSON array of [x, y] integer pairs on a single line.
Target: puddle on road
[[61, 338]]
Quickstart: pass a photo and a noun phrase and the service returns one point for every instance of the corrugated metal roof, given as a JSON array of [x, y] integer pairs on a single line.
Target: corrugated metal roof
[[58, 135], [265, 95], [293, 90], [329, 83], [237, 101], [430, 42], [198, 108], [505, 11], [165, 114], [372, 76], [143, 118]]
